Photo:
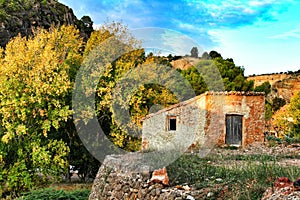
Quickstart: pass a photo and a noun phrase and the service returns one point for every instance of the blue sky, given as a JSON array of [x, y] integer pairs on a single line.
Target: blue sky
[[262, 36]]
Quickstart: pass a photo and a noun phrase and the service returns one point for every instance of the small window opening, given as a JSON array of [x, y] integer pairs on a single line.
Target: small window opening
[[172, 124]]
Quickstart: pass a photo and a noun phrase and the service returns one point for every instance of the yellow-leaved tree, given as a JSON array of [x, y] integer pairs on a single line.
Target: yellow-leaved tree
[[35, 87], [287, 120]]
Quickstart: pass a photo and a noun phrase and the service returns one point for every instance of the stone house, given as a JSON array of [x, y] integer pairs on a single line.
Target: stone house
[[213, 118]]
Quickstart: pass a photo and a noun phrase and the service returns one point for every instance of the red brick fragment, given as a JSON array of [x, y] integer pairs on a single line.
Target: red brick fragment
[[160, 176]]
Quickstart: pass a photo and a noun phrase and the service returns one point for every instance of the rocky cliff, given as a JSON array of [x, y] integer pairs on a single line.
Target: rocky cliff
[[272, 78], [284, 85], [22, 16]]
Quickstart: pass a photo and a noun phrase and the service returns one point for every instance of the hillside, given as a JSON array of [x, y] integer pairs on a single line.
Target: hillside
[[283, 85], [22, 16], [272, 78]]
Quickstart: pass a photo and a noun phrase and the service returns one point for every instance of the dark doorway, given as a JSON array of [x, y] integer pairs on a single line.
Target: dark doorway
[[234, 129]]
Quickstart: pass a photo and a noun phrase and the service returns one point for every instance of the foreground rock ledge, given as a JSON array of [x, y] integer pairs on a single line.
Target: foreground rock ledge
[[125, 177]]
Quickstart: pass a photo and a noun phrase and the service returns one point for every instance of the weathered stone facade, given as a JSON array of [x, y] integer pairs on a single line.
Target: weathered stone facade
[[201, 122], [190, 125]]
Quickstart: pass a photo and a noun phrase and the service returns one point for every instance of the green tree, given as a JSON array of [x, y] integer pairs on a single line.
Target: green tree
[[278, 103], [205, 56], [195, 79], [265, 87], [111, 39], [194, 52], [232, 75], [214, 54], [268, 110]]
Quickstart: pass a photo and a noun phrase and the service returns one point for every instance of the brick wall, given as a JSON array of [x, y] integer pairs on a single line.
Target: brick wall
[[249, 105]]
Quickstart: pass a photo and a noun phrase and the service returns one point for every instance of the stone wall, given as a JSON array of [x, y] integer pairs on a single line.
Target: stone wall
[[123, 178]]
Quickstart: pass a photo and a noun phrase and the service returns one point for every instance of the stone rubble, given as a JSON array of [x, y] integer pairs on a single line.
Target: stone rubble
[[283, 189]]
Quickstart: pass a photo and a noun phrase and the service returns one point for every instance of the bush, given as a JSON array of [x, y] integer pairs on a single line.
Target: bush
[[275, 139], [287, 121], [265, 87], [291, 140]]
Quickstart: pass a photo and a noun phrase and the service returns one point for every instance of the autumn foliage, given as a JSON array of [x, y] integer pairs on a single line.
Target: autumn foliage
[[287, 120], [34, 87]]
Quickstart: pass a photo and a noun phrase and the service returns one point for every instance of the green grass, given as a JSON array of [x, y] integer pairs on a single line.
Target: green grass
[[231, 177], [54, 194]]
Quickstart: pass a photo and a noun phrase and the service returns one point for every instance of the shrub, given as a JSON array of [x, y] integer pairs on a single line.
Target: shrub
[[291, 140], [53, 194]]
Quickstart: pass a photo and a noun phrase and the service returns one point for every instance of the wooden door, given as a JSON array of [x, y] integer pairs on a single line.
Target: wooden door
[[234, 129]]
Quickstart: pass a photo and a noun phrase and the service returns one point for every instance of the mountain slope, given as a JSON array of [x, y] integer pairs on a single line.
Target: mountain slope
[[284, 85], [22, 16]]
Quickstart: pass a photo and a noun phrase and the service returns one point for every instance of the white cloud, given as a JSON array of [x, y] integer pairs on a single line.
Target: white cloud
[[249, 11], [189, 27], [165, 40], [238, 29], [294, 33], [260, 3]]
